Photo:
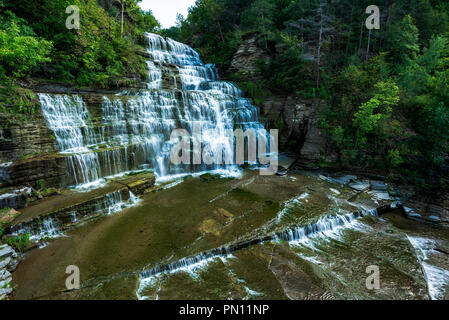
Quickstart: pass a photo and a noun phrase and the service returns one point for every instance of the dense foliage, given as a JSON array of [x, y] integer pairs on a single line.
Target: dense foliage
[[385, 91], [34, 40]]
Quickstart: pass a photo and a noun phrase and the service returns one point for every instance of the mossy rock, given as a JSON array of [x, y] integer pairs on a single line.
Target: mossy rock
[[209, 177]]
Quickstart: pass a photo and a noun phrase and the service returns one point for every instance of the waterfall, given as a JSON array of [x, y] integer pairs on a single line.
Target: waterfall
[[437, 278], [134, 130], [323, 225], [53, 226]]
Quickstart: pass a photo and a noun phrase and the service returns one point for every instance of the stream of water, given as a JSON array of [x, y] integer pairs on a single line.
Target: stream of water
[[241, 236]]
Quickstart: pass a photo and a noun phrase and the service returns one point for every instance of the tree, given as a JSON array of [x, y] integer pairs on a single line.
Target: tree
[[372, 114], [320, 25], [262, 11], [21, 51], [129, 5], [402, 43]]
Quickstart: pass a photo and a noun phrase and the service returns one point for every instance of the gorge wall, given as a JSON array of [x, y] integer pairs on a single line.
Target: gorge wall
[[295, 118]]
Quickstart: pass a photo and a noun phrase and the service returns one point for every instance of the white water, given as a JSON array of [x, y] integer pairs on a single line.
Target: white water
[[325, 226], [134, 133], [50, 227], [437, 278]]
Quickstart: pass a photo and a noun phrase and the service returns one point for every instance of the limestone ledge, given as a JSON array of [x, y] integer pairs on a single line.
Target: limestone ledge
[[72, 208], [9, 259]]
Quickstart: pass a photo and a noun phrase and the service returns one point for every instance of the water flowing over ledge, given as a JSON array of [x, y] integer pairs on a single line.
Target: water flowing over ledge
[[328, 223], [133, 131], [437, 278]]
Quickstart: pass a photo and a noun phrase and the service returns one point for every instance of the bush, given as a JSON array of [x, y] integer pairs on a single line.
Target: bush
[[21, 242], [21, 50]]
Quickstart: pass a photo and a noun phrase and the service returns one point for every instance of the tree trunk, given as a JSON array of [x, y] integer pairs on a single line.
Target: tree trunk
[[221, 32], [361, 37], [320, 43], [367, 48], [123, 11], [350, 30], [264, 32]]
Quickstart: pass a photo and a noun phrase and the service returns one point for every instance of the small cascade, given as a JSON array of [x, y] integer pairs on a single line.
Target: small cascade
[[155, 76], [288, 205], [53, 225], [325, 224], [70, 121], [114, 203], [49, 229], [437, 278], [134, 129], [5, 171]]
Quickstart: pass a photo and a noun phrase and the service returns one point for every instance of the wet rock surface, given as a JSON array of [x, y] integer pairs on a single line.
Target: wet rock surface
[[326, 264], [9, 260], [72, 208]]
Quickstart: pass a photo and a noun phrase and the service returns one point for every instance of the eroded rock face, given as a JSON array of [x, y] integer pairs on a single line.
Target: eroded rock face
[[294, 118], [245, 60], [296, 121], [25, 149], [22, 139]]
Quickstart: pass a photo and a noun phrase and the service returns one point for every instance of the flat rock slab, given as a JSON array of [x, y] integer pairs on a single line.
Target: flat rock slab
[[285, 161], [341, 180], [380, 195], [137, 183], [379, 186], [360, 185], [6, 251]]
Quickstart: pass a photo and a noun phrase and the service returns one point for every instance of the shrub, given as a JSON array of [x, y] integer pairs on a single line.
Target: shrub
[[21, 242]]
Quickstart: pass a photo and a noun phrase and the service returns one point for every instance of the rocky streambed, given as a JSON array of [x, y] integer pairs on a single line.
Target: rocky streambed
[[298, 236]]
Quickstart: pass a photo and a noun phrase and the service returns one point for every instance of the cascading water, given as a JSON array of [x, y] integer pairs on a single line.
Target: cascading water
[[325, 224], [135, 128]]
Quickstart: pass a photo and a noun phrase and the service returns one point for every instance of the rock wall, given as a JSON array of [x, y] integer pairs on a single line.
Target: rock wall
[[296, 119], [9, 259], [29, 155], [297, 122], [28, 158], [245, 60], [22, 139]]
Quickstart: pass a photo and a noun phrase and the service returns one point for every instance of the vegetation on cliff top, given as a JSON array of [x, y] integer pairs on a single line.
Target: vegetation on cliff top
[[385, 92], [35, 41]]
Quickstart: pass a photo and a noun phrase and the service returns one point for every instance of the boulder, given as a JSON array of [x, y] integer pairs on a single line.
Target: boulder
[[4, 292], [4, 275]]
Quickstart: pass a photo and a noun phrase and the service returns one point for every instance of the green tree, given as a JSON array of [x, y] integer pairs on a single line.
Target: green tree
[[402, 43], [372, 115], [20, 50]]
